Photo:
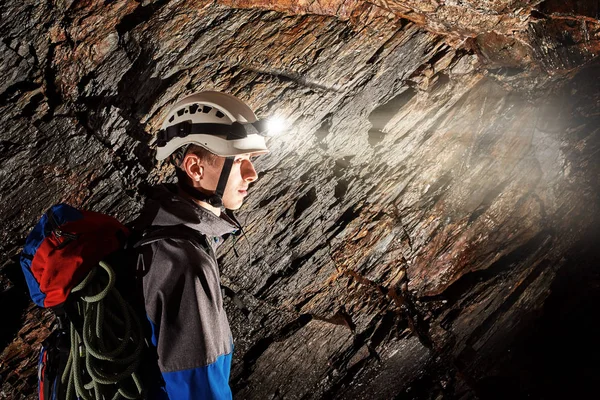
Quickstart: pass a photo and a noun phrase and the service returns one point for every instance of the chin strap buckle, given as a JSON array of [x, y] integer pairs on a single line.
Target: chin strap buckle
[[215, 201]]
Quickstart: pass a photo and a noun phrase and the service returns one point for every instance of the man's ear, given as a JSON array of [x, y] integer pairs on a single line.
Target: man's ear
[[192, 166]]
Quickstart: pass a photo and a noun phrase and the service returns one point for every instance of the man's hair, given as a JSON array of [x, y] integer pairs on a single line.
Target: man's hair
[[202, 154], [178, 156]]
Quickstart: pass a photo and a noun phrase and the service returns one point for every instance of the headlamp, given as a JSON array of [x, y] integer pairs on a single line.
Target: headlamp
[[275, 126]]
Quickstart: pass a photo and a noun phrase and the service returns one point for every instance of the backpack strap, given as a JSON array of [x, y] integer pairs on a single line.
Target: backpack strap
[[53, 360], [157, 233]]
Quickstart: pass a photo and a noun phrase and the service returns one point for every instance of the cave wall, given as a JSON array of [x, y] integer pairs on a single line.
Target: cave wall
[[440, 173]]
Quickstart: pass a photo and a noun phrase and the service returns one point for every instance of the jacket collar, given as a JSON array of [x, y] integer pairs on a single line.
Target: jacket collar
[[176, 210]]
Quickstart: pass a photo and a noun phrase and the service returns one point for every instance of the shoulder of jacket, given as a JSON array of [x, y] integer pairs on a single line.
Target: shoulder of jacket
[[166, 259], [178, 246]]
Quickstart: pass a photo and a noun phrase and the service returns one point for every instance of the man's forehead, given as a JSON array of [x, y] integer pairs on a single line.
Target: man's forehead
[[253, 154]]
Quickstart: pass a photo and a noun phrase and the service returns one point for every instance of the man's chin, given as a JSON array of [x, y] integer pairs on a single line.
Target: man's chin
[[233, 205]]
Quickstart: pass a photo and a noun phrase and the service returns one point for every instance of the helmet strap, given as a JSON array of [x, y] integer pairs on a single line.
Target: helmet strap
[[224, 178], [215, 199]]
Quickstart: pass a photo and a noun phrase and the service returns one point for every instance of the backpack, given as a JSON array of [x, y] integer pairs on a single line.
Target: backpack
[[74, 263]]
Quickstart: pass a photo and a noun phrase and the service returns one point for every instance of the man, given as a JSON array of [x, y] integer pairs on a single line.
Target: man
[[211, 137]]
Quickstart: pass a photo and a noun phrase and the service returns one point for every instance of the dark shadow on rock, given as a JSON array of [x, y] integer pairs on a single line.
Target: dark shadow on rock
[[385, 112], [558, 355], [14, 301]]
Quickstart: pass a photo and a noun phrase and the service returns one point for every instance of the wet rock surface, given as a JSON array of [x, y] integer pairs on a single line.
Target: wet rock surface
[[426, 229]]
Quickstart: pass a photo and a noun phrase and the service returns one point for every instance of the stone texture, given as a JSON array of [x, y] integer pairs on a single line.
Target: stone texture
[[18, 366], [435, 193], [561, 35], [308, 353]]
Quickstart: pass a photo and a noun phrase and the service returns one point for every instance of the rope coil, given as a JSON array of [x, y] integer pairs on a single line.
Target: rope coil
[[102, 364]]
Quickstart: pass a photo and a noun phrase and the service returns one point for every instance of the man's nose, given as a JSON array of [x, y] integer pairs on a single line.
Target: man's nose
[[248, 172]]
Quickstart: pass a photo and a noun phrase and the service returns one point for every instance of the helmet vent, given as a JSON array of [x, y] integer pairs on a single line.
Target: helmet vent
[[193, 108], [206, 109], [172, 118], [180, 113], [219, 114]]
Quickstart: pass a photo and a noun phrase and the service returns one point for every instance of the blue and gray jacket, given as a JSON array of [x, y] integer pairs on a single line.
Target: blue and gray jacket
[[183, 300]]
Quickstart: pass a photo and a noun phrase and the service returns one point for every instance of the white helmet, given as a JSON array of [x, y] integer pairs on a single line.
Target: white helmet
[[219, 122]]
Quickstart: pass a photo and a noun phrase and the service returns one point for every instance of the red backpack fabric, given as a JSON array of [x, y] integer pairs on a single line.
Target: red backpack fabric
[[62, 249]]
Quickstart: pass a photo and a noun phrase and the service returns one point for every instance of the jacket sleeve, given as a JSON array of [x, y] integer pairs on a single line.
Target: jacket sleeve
[[184, 305]]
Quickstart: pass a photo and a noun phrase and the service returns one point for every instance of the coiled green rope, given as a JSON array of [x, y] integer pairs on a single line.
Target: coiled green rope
[[102, 364]]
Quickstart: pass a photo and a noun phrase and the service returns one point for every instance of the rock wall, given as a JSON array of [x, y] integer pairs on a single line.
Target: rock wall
[[436, 192]]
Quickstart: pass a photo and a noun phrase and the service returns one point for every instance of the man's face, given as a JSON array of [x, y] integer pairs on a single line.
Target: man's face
[[241, 175]]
